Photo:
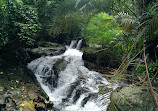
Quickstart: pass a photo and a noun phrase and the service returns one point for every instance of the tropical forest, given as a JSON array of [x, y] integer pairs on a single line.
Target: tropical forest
[[78, 55]]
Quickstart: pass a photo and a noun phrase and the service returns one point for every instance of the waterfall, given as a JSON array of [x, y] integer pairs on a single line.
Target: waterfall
[[76, 45], [79, 44], [69, 84], [73, 44]]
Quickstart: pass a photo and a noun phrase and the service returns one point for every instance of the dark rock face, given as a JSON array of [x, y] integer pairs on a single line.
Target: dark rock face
[[60, 65], [101, 59], [46, 48], [90, 65], [78, 93]]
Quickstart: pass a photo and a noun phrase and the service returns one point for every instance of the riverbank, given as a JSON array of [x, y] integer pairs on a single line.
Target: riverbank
[[19, 89]]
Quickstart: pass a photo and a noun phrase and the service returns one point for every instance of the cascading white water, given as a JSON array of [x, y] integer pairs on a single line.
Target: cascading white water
[[79, 44], [70, 85]]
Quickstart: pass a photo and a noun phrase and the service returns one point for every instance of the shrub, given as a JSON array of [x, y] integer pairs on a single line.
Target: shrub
[[153, 72], [102, 30], [19, 25]]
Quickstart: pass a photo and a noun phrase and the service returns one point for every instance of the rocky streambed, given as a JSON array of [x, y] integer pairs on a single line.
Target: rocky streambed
[[19, 89]]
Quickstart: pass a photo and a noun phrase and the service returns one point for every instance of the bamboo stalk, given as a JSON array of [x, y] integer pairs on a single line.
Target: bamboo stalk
[[149, 82]]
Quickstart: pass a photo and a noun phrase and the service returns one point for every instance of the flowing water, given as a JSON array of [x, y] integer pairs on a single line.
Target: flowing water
[[69, 84]]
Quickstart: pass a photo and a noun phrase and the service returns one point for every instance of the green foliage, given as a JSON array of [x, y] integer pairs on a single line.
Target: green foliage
[[65, 26], [68, 26], [153, 72], [45, 10], [1, 2], [29, 2], [29, 25], [19, 23], [96, 6], [149, 22], [102, 30]]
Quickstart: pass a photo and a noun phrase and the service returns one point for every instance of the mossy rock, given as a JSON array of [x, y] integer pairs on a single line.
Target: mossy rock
[[132, 98], [26, 106]]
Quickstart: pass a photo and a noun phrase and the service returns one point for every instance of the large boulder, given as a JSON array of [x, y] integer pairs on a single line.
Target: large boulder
[[60, 64], [133, 98], [100, 57]]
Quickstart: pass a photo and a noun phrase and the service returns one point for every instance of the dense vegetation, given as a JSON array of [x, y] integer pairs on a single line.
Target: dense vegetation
[[128, 29]]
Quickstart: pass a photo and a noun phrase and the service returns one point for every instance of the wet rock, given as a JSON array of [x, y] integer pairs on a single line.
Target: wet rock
[[42, 104], [60, 65], [85, 100], [71, 90], [78, 93], [52, 79], [46, 48]]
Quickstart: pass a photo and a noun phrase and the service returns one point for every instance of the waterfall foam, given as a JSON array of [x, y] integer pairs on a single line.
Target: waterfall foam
[[74, 88]]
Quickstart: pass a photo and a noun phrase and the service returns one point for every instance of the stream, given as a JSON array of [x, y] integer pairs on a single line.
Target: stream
[[69, 84]]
